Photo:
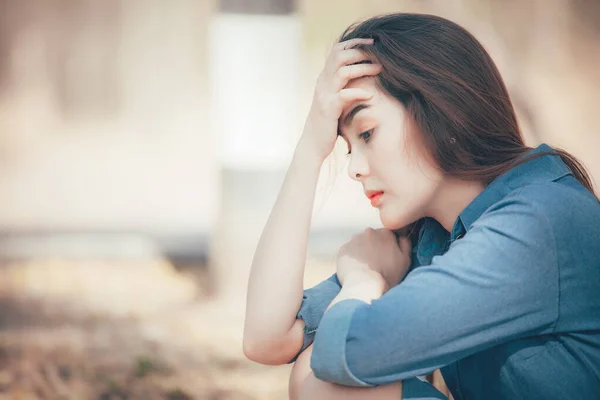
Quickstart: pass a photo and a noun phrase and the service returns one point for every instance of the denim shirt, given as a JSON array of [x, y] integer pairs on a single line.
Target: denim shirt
[[507, 304]]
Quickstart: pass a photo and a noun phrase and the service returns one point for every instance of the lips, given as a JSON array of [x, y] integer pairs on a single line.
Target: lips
[[374, 196]]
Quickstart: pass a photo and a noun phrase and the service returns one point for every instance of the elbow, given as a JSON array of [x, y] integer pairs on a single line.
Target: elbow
[[254, 345], [328, 358], [257, 351], [330, 365], [267, 352], [322, 370], [321, 364], [251, 351], [273, 349]]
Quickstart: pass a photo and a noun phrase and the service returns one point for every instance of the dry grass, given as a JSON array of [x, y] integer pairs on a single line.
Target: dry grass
[[161, 339]]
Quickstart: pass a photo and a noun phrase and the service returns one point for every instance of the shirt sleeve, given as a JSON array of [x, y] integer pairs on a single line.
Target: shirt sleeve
[[498, 283], [314, 303]]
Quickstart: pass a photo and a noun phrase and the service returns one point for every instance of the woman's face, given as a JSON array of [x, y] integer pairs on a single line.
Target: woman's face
[[385, 157]]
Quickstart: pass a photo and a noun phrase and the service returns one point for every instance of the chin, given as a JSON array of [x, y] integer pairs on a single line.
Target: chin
[[392, 222], [396, 220]]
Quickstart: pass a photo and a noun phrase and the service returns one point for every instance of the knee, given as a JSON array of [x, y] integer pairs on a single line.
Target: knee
[[295, 384], [300, 372], [312, 388], [305, 386], [305, 390]]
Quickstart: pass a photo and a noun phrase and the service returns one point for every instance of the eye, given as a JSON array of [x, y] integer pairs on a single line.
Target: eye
[[366, 135]]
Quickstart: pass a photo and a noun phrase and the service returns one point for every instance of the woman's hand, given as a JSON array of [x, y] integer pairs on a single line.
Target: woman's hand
[[330, 96], [377, 251]]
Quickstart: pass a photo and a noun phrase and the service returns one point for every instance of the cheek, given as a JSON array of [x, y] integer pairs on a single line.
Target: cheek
[[412, 190], [403, 180]]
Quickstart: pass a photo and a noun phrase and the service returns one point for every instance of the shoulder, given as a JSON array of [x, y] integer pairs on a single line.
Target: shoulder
[[522, 211], [547, 202], [516, 231], [536, 221], [562, 207]]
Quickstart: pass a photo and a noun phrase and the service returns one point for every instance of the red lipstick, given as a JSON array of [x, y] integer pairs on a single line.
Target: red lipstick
[[374, 196]]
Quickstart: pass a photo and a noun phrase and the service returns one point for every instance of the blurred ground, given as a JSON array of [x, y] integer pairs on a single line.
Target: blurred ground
[[156, 335]]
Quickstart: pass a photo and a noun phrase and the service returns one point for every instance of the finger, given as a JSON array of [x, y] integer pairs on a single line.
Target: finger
[[349, 57], [346, 73], [348, 44], [354, 94], [405, 244], [385, 232], [348, 96], [401, 232]]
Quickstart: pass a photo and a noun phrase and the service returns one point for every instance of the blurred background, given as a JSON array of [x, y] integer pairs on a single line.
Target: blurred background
[[142, 145]]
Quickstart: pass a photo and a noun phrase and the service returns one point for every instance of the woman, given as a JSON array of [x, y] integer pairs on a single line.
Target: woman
[[497, 280]]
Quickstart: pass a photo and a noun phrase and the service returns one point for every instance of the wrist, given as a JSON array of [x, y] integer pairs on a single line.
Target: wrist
[[365, 288], [368, 279]]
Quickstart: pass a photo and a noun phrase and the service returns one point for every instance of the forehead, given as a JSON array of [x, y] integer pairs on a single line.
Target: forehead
[[366, 83]]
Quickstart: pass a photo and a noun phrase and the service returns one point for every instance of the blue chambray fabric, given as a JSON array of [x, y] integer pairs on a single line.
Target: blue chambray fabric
[[507, 304], [314, 303], [416, 389]]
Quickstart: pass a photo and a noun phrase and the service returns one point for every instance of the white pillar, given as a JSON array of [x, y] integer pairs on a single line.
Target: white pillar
[[254, 60]]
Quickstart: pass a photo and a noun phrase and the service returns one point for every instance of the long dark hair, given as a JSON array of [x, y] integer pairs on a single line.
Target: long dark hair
[[453, 93]]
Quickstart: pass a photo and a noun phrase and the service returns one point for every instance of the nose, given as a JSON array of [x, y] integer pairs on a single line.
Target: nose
[[358, 166]]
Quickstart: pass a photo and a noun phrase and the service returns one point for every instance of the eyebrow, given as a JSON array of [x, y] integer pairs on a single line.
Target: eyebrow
[[347, 120]]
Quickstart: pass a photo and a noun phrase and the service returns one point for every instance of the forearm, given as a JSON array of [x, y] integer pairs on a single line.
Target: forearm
[[362, 286], [328, 361], [275, 284]]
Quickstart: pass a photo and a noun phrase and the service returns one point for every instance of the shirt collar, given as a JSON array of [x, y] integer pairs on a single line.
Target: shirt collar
[[546, 168]]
